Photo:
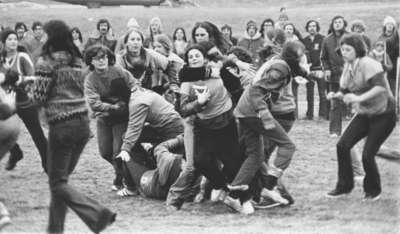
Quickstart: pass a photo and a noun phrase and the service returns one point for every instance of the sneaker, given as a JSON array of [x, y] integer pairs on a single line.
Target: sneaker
[[242, 187], [359, 179], [337, 193], [370, 197], [199, 198], [333, 135], [172, 208], [116, 187], [218, 195], [274, 195], [125, 192], [247, 208], [233, 203], [265, 203], [4, 221]]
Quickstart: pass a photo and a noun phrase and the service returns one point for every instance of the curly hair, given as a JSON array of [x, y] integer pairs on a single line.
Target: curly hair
[[241, 53], [59, 38], [312, 21], [103, 21], [98, 50]]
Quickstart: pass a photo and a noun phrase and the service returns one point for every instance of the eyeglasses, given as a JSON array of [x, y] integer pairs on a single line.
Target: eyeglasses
[[98, 58]]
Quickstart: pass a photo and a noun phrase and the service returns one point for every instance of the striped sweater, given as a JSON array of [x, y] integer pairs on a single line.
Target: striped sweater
[[59, 87]]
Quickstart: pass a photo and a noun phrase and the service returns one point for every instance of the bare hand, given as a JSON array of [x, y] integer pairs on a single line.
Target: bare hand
[[8, 98], [203, 97], [327, 74], [124, 156], [351, 98], [333, 95]]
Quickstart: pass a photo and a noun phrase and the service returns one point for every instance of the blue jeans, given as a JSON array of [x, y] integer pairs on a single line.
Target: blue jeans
[[109, 140], [66, 141]]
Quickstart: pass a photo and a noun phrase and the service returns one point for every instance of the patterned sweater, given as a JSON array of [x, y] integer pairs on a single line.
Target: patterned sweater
[[59, 87]]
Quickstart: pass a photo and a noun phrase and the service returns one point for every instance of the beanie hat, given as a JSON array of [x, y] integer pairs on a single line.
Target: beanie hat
[[5, 33], [358, 23], [132, 23], [389, 20], [251, 23], [164, 41]]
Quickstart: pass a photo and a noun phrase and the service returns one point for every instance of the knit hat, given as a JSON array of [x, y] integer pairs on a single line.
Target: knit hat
[[132, 23], [164, 41], [5, 33], [251, 23], [389, 20]]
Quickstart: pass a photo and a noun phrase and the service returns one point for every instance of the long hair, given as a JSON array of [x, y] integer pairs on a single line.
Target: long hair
[[76, 29], [214, 34], [59, 38], [295, 31], [331, 30], [311, 21], [262, 25], [184, 34]]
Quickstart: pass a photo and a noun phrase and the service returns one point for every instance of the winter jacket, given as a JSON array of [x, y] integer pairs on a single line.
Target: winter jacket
[[330, 59], [313, 50], [392, 49], [252, 44]]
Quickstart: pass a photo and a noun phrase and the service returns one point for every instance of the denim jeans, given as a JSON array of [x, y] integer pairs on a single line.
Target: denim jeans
[[189, 177], [336, 109], [109, 140], [376, 129], [30, 117], [66, 141], [310, 97], [254, 133]]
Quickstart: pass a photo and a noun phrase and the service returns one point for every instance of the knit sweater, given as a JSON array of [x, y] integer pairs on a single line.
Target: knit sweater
[[59, 87]]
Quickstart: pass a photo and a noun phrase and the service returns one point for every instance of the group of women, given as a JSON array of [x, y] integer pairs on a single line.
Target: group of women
[[231, 111]]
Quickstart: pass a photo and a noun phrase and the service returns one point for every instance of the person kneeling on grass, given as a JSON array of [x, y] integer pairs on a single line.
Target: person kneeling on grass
[[151, 120], [9, 131], [154, 180], [363, 85]]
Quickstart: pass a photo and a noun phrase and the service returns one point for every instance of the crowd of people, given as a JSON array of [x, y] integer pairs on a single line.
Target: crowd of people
[[192, 117]]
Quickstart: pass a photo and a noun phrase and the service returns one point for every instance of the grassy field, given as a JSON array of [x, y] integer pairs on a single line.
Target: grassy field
[[311, 174]]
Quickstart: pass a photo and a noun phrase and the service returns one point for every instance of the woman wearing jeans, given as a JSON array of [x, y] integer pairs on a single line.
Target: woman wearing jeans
[[59, 89], [364, 86]]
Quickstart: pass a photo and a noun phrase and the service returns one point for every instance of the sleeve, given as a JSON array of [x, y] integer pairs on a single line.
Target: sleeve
[[378, 80], [325, 55], [26, 65], [167, 67], [93, 97], [137, 118], [371, 68], [119, 61], [43, 82], [389, 65]]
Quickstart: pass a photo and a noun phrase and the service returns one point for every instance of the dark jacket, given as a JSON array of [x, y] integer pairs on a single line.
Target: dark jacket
[[330, 58], [392, 49], [313, 50], [107, 41]]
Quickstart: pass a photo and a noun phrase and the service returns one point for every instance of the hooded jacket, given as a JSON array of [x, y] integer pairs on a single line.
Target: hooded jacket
[[252, 44]]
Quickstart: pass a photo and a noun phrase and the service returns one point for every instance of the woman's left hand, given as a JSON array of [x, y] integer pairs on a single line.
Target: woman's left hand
[[351, 98]]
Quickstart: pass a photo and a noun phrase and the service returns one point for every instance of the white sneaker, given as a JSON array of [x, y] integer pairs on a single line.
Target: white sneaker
[[218, 195], [247, 208], [4, 221], [274, 195], [359, 179], [233, 203]]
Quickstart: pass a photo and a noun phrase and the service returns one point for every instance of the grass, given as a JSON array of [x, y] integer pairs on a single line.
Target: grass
[[311, 174]]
